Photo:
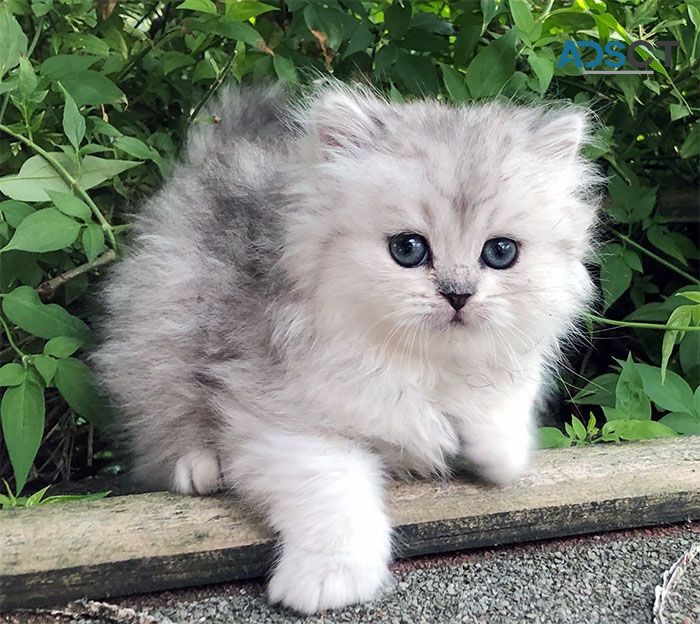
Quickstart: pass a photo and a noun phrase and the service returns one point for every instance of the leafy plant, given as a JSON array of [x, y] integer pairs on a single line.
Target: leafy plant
[[95, 98], [9, 500]]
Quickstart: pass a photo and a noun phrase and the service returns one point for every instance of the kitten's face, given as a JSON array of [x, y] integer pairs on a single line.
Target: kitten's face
[[449, 225]]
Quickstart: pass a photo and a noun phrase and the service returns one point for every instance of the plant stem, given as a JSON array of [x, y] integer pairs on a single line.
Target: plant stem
[[132, 62], [69, 180], [605, 321], [616, 168], [213, 88], [651, 254], [47, 289], [37, 34], [3, 107], [14, 346]]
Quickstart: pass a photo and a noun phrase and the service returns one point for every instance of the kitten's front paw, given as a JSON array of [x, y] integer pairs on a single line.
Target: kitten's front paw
[[197, 473], [501, 462], [309, 583]]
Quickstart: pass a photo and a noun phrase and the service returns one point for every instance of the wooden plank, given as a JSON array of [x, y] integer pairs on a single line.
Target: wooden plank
[[150, 542]]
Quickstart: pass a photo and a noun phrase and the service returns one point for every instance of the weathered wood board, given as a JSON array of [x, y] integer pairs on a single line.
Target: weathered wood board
[[149, 542]]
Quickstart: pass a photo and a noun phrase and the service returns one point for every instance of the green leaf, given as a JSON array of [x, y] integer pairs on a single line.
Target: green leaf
[[44, 230], [522, 16], [682, 422], [86, 42], [90, 87], [73, 121], [680, 317], [361, 40], [24, 308], [14, 41], [15, 211], [691, 145], [694, 14], [492, 67], [417, 73], [598, 391], [631, 202], [674, 394], [542, 64], [75, 382], [22, 413], [455, 83], [62, 346], [35, 499], [135, 147], [615, 279], [551, 437], [326, 21], [397, 17], [591, 427], [630, 398], [689, 355], [243, 10], [579, 428], [638, 429], [488, 11], [67, 498], [201, 6], [632, 260], [238, 31], [630, 86], [70, 205], [93, 240], [27, 78], [285, 70], [60, 65], [678, 111], [693, 295], [36, 176], [173, 60], [11, 374], [467, 39], [46, 366], [662, 239]]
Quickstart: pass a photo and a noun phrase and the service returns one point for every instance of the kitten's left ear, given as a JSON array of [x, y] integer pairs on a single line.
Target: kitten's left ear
[[345, 121], [562, 133]]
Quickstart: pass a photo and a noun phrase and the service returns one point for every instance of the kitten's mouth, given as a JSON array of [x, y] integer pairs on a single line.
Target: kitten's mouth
[[457, 319]]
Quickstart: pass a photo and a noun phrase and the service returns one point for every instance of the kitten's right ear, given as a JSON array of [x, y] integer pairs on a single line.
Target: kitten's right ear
[[345, 122], [561, 133]]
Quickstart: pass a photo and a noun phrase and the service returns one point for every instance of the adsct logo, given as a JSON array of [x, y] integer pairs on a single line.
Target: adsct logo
[[614, 55]]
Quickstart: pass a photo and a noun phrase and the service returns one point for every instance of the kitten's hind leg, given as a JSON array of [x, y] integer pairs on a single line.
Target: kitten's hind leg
[[197, 472], [324, 497]]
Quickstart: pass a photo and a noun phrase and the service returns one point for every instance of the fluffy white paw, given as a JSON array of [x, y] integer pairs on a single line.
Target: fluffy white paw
[[196, 472], [309, 583], [501, 462]]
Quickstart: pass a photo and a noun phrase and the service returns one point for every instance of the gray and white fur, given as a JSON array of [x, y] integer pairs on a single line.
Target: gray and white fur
[[261, 337]]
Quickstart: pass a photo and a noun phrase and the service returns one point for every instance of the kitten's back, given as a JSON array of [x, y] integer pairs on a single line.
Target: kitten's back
[[196, 271]]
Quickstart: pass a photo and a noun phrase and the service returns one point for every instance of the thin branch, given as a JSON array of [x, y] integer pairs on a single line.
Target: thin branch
[[69, 180], [48, 288], [213, 88], [651, 254], [11, 340], [605, 321]]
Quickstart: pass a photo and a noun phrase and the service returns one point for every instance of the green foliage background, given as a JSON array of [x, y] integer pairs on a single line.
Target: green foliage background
[[95, 98]]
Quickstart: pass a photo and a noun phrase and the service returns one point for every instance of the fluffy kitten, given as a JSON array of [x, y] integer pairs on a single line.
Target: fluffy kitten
[[328, 292]]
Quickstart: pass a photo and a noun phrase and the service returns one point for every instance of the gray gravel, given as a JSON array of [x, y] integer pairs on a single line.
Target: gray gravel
[[606, 579]]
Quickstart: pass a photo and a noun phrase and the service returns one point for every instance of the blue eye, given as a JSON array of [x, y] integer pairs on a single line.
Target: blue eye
[[499, 253], [409, 249]]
